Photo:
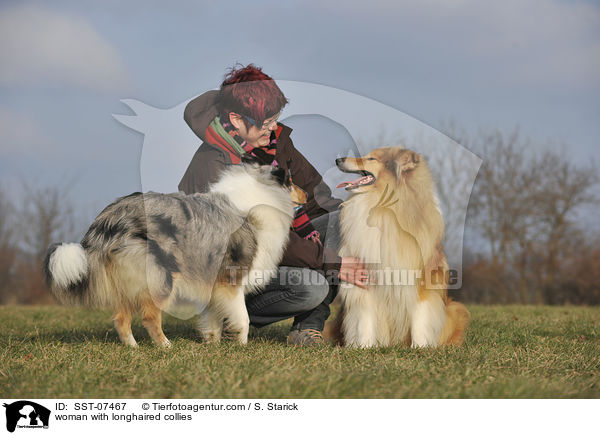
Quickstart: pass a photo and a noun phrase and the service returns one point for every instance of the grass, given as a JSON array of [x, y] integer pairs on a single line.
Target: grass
[[510, 352]]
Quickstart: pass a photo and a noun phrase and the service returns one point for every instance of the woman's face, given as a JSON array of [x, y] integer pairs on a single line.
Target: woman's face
[[255, 136]]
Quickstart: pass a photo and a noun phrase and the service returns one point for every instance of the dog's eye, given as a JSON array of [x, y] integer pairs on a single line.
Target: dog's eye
[[370, 158]]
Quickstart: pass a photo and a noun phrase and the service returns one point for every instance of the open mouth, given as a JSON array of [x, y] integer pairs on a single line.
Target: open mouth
[[366, 179]]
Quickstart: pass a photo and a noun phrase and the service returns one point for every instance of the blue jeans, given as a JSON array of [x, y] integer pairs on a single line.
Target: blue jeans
[[301, 293]]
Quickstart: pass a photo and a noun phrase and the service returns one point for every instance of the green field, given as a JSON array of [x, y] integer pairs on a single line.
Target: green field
[[510, 351]]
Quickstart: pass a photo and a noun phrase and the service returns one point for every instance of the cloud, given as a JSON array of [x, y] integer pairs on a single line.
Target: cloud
[[527, 43], [42, 47]]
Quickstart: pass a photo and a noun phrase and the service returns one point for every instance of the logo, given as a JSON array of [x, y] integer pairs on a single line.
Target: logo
[[26, 414], [358, 125]]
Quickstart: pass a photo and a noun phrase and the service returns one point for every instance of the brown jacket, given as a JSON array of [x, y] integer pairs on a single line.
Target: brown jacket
[[210, 160]]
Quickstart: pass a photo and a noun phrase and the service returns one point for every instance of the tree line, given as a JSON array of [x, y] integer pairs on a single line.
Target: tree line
[[531, 236], [27, 228]]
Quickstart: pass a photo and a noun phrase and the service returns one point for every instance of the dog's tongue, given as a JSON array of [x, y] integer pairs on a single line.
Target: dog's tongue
[[355, 183]]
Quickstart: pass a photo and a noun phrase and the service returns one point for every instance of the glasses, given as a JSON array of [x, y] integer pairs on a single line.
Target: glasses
[[266, 125]]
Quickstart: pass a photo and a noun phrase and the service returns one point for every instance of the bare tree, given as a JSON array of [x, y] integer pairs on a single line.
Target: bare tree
[[564, 189], [454, 188], [524, 205], [46, 216], [8, 251], [6, 220]]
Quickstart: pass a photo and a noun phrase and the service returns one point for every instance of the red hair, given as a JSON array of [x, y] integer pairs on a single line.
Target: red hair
[[246, 90]]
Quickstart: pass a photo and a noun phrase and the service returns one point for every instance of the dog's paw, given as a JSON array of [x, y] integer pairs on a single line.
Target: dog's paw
[[165, 343], [129, 341], [210, 336]]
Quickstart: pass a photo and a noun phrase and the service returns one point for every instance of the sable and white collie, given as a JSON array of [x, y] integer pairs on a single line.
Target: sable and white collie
[[393, 223], [149, 252]]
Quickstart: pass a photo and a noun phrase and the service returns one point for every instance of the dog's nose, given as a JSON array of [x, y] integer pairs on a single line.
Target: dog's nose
[[339, 161]]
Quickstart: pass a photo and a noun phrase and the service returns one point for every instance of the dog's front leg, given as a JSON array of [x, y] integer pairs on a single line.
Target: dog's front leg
[[238, 321], [210, 324], [359, 324], [428, 320]]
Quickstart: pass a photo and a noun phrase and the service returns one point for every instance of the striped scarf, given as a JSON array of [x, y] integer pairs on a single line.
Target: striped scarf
[[225, 136]]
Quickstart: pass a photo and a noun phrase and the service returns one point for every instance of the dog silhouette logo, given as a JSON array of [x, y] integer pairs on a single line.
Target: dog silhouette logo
[[169, 146], [26, 414]]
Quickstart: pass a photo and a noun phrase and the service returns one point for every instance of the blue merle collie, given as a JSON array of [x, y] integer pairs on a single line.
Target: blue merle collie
[[152, 252]]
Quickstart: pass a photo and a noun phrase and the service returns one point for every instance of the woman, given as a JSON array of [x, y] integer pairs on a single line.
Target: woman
[[241, 118]]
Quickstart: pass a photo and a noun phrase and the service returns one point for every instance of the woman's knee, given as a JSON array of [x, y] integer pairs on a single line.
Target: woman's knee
[[309, 287], [313, 292]]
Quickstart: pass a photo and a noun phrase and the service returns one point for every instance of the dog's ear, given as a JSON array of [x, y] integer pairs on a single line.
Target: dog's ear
[[408, 161], [280, 175]]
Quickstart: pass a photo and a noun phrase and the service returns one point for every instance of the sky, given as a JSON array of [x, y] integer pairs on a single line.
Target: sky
[[67, 66]]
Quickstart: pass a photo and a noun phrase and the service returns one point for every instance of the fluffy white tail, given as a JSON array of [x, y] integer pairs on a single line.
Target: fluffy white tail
[[67, 272]]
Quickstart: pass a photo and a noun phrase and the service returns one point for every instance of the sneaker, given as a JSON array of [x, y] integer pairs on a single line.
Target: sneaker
[[305, 337]]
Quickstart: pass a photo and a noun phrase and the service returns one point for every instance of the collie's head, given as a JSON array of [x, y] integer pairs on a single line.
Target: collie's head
[[248, 185], [399, 179], [392, 167]]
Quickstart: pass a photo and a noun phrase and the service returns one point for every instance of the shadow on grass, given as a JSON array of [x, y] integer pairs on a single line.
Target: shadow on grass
[[181, 330]]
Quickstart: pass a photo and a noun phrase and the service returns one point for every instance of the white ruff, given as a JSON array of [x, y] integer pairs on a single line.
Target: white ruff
[[246, 192]]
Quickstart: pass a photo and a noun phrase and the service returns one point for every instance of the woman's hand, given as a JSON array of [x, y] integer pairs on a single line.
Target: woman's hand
[[353, 271]]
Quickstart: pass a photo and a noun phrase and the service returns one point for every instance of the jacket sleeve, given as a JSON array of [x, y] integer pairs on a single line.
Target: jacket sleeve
[[200, 111], [204, 169]]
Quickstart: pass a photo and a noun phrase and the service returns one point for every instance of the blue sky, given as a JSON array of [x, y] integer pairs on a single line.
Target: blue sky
[[66, 66]]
